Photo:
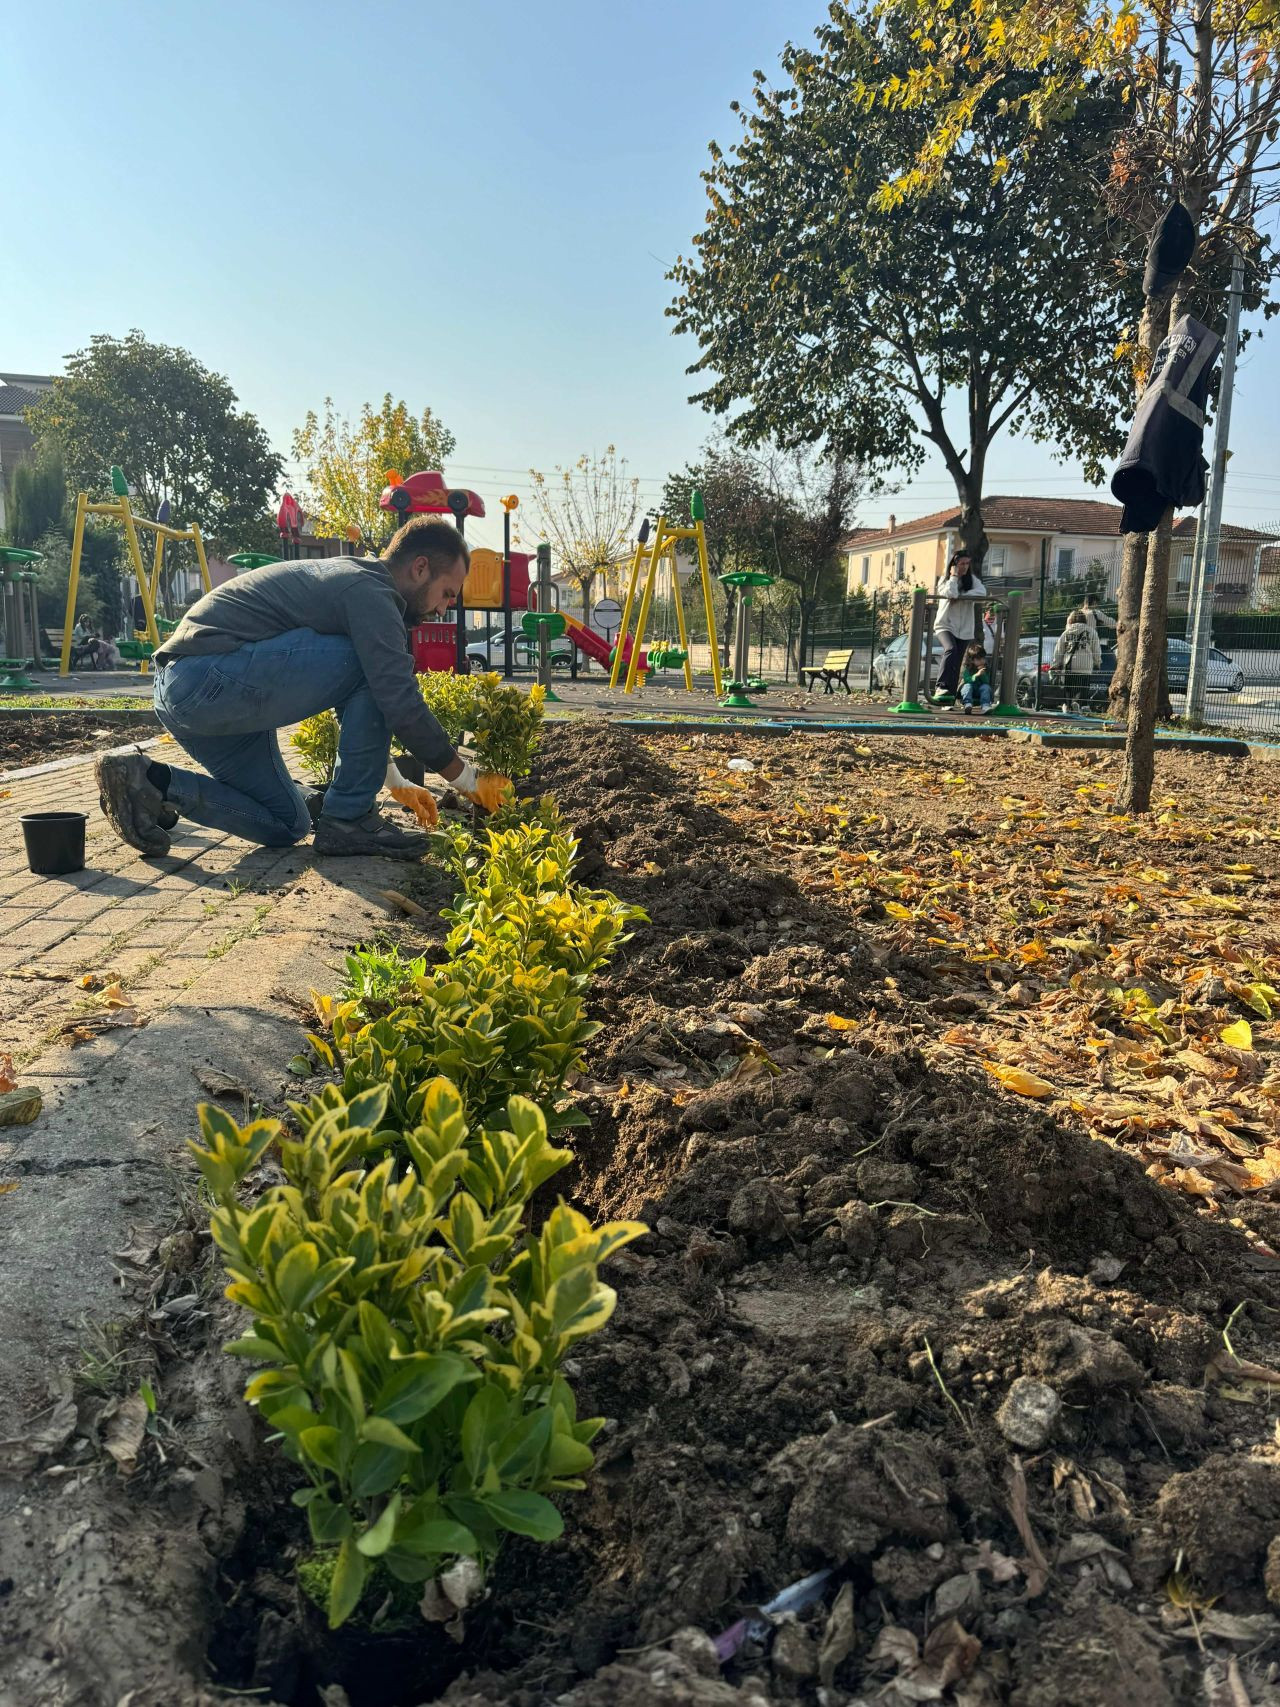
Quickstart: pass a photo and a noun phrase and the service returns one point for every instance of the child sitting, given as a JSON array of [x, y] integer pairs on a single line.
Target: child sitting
[[975, 684]]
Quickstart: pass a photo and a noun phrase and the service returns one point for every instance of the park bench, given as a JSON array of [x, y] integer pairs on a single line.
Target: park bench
[[833, 668]]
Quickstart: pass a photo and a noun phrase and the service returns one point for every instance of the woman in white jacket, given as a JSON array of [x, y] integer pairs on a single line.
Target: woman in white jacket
[[956, 623]]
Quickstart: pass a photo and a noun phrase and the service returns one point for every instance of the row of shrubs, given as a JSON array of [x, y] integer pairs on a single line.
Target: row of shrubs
[[504, 723], [411, 1322]]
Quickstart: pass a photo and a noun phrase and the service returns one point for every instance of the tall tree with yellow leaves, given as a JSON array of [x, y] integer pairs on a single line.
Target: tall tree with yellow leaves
[[588, 514], [345, 463], [1201, 81]]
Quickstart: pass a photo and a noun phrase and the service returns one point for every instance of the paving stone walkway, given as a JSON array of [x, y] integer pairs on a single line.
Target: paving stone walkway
[[215, 950]]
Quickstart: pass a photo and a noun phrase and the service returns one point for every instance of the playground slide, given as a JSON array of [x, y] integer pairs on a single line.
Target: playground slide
[[595, 645]]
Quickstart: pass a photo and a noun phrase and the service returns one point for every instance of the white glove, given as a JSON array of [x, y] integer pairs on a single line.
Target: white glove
[[394, 779], [466, 782]]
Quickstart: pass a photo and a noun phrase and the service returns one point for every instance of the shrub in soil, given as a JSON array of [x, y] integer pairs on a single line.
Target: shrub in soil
[[412, 1332], [506, 1012], [315, 741], [412, 1326]]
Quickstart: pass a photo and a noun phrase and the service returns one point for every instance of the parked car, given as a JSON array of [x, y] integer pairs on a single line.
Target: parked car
[[889, 666], [1222, 674], [490, 655]]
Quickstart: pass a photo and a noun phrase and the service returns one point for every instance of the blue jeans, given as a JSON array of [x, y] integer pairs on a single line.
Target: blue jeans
[[225, 708], [967, 693]]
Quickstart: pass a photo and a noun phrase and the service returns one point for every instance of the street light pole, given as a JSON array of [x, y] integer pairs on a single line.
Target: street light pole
[[1202, 616], [1200, 625]]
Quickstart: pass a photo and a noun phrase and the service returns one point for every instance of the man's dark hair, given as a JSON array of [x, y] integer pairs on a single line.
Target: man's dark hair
[[427, 536]]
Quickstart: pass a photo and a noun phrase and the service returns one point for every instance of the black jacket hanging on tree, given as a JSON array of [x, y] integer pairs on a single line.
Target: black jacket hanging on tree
[[1163, 463]]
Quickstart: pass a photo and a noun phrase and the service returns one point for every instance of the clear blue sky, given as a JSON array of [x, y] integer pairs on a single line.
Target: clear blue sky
[[472, 207]]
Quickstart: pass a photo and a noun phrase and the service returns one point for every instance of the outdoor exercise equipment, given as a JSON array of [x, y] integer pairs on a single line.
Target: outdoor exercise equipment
[[19, 574], [119, 510], [425, 494], [915, 701], [666, 537], [745, 582]]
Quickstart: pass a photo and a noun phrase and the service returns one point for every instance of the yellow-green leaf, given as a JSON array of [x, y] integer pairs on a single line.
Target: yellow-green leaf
[[1019, 1081]]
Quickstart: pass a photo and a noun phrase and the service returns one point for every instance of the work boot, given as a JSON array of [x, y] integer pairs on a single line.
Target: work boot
[[372, 834], [131, 803]]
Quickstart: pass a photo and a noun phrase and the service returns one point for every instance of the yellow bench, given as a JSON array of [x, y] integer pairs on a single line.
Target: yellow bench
[[833, 668]]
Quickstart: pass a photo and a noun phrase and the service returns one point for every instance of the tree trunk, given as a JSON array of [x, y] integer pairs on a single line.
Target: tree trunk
[[802, 640], [1152, 331], [973, 534], [1129, 599], [727, 638], [1134, 792]]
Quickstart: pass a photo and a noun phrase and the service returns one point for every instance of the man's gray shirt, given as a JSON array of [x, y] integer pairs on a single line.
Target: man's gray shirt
[[332, 595]]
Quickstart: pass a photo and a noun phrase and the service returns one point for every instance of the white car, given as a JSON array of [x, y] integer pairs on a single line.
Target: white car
[[889, 666], [524, 651]]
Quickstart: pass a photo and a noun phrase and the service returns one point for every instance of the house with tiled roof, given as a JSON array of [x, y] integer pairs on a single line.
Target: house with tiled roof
[[18, 391], [1075, 539]]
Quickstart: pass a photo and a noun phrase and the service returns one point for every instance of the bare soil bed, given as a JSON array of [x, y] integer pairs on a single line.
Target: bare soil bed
[[32, 740], [993, 1351]]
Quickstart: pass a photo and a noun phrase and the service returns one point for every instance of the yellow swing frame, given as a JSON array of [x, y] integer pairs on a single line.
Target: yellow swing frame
[[665, 539], [119, 510]]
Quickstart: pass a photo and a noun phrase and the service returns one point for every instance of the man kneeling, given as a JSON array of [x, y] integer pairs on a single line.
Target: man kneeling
[[279, 644]]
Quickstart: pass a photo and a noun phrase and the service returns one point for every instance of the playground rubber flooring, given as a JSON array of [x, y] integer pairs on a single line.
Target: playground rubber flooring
[[927, 1073]]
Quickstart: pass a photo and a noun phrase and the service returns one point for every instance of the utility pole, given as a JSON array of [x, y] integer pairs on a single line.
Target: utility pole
[[1202, 613], [1209, 534]]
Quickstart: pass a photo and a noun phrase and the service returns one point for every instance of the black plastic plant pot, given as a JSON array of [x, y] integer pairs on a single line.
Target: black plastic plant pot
[[55, 842]]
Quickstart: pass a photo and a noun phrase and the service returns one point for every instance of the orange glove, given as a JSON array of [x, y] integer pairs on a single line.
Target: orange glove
[[489, 790], [421, 802]]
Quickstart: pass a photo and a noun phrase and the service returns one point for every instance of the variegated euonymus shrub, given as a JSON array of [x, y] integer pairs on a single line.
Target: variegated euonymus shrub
[[410, 1324]]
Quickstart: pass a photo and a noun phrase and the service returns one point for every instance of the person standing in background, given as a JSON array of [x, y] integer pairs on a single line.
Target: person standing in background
[[956, 623]]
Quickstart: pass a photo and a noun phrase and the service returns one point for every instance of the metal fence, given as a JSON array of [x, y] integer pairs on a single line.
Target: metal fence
[[1242, 677]]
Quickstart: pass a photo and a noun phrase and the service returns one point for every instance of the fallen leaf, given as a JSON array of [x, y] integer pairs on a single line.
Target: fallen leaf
[[20, 1106], [402, 902], [837, 1022], [838, 1637], [8, 1185], [8, 1081], [114, 997], [1232, 1626], [1239, 1035], [125, 1431], [219, 1084], [1223, 1363], [1019, 1081], [998, 1566], [51, 1435], [85, 1027], [950, 1653], [897, 1644]]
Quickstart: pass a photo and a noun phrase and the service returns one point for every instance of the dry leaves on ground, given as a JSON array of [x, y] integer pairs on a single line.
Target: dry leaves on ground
[[1123, 970]]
